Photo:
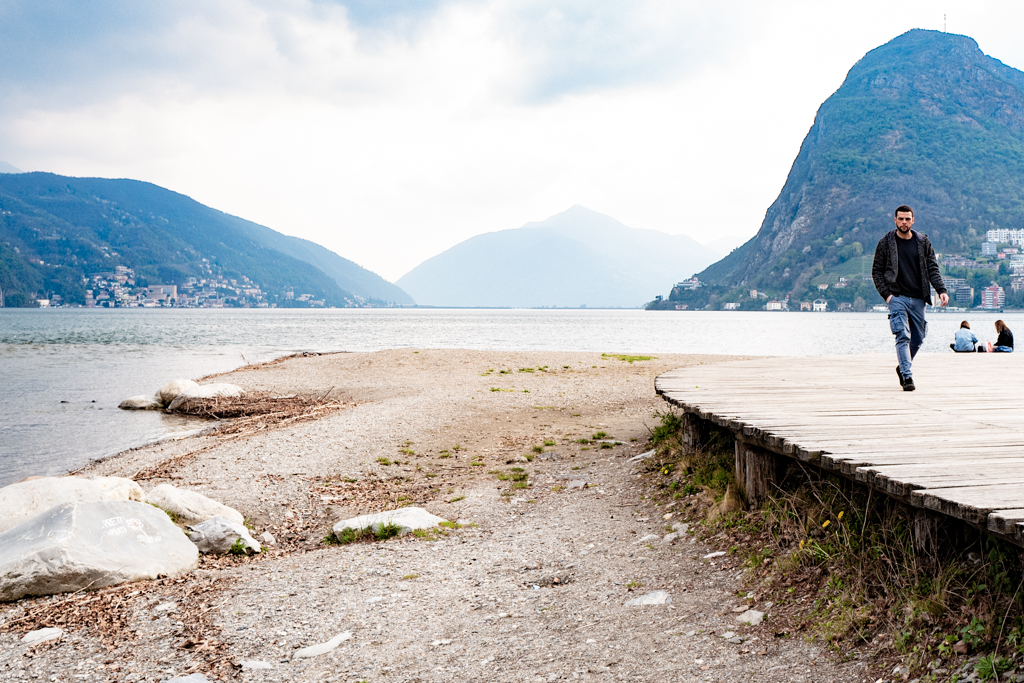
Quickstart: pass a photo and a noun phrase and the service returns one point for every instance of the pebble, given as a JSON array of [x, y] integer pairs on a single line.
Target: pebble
[[191, 678], [649, 537], [751, 616], [42, 635], [653, 598], [717, 553], [576, 484], [256, 664], [314, 650]]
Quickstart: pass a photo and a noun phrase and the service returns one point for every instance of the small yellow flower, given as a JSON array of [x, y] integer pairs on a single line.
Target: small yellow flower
[[801, 545], [841, 514], [827, 522]]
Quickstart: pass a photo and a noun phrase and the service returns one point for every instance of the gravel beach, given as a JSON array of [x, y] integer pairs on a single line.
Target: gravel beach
[[528, 454]]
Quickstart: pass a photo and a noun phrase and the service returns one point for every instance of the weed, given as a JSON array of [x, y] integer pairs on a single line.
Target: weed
[[429, 475], [239, 547], [671, 425], [585, 448], [457, 448], [517, 469], [634, 584], [606, 446], [444, 454], [990, 666], [538, 449], [476, 464], [450, 525], [576, 414], [456, 499], [407, 451], [384, 461], [624, 357], [549, 442], [503, 476], [387, 530], [525, 369], [520, 476], [556, 489], [500, 389], [528, 456], [409, 577], [583, 441], [577, 467], [565, 367], [349, 535], [599, 435]]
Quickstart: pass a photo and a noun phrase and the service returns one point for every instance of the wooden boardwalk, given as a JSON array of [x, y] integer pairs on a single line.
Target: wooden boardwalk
[[955, 446]]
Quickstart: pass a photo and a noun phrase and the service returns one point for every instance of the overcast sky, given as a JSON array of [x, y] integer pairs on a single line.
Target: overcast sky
[[391, 130]]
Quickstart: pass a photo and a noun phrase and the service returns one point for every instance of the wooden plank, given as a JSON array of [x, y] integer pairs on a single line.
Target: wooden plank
[[956, 445]]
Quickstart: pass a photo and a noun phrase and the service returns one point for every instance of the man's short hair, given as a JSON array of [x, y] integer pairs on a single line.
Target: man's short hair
[[902, 208]]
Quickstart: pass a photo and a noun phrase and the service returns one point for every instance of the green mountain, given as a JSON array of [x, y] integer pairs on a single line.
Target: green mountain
[[57, 231], [576, 258], [926, 120]]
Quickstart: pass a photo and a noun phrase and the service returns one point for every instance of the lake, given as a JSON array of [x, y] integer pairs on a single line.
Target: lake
[[65, 370]]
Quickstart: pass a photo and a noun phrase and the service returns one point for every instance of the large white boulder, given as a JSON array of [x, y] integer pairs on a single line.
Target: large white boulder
[[170, 391], [219, 536], [22, 501], [142, 402], [90, 545], [216, 390], [189, 506], [408, 519]]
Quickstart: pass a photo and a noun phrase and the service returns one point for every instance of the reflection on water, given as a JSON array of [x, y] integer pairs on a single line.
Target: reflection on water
[[92, 359]]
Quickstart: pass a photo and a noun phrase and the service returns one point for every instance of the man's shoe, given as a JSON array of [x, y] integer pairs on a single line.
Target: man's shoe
[[908, 384], [900, 375]]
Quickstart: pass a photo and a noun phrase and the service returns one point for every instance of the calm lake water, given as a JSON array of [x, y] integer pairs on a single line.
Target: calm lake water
[[64, 371]]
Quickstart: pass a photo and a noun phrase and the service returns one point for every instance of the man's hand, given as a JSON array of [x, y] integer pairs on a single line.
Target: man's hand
[[944, 298]]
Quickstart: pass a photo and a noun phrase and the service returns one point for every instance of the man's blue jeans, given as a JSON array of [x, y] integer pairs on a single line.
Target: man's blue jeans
[[906, 320]]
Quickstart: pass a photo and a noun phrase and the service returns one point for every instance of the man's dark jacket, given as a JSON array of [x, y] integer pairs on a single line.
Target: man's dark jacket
[[886, 265]]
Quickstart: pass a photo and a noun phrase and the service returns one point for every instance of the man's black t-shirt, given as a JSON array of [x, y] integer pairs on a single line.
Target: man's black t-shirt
[[908, 277]]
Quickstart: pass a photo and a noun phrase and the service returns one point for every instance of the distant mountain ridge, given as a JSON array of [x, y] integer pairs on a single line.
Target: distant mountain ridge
[[576, 258], [927, 120], [55, 230]]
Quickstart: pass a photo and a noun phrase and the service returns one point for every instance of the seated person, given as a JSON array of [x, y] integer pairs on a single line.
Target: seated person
[[964, 339], [1004, 343]]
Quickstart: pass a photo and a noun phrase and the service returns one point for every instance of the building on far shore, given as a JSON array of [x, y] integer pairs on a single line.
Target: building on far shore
[[820, 306]]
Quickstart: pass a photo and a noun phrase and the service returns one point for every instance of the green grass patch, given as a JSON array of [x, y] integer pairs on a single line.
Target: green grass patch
[[627, 358], [384, 461]]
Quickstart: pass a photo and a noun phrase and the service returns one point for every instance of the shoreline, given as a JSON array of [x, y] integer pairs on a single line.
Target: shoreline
[[443, 430]]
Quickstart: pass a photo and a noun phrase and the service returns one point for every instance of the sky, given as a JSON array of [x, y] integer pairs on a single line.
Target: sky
[[391, 130]]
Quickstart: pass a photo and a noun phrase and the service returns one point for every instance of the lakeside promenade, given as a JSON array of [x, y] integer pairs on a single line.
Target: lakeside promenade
[[955, 446]]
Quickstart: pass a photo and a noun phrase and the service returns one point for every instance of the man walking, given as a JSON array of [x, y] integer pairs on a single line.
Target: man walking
[[903, 268]]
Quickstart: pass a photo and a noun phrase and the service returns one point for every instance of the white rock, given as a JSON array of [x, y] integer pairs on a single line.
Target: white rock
[[717, 553], [218, 535], [91, 545], [314, 650], [191, 678], [680, 527], [728, 634], [266, 538], [655, 598], [42, 635], [648, 537], [22, 501], [141, 402], [642, 456], [409, 519], [256, 664], [576, 484], [216, 390], [170, 391], [670, 537], [189, 506], [751, 616]]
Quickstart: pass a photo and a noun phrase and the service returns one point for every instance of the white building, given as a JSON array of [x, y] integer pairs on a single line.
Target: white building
[[819, 306]]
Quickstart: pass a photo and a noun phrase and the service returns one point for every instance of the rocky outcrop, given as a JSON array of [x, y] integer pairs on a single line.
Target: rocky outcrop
[[190, 507], [218, 536], [22, 501], [90, 545]]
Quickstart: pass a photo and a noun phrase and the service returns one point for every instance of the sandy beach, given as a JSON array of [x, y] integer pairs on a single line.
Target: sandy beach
[[531, 586]]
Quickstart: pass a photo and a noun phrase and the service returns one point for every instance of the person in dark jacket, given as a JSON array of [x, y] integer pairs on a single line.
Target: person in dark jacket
[[904, 270], [1004, 343]]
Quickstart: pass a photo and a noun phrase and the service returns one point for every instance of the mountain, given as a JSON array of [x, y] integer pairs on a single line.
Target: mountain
[[7, 168], [926, 120], [576, 258], [57, 231]]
